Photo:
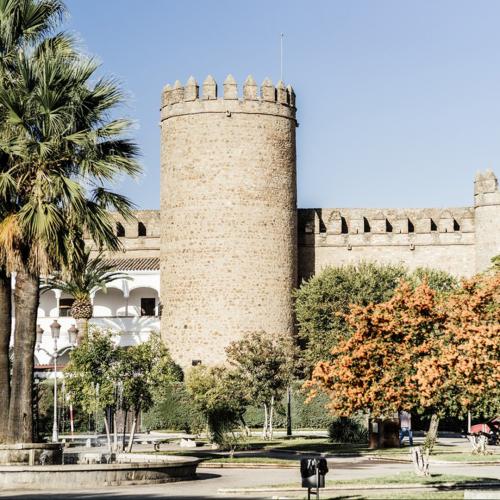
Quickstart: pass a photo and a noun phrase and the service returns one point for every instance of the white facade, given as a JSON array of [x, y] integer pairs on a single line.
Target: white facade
[[118, 309]]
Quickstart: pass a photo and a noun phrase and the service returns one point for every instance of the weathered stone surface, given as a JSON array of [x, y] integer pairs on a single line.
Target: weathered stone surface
[[228, 229], [31, 454], [133, 469]]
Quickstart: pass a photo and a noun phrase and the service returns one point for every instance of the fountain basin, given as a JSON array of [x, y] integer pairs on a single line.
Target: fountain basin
[[31, 453], [138, 469]]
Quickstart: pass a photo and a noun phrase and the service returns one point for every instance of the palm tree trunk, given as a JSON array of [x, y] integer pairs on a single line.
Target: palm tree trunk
[[82, 324], [26, 297], [5, 332]]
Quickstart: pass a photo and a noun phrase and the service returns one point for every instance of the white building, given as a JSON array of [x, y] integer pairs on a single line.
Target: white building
[[130, 308]]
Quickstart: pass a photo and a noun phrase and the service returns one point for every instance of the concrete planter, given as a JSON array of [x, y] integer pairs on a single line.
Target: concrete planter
[[31, 454]]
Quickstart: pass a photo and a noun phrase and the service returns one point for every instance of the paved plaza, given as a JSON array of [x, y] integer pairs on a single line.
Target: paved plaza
[[213, 482]]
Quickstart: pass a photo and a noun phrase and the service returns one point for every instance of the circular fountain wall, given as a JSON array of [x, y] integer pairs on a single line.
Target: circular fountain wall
[[129, 468]]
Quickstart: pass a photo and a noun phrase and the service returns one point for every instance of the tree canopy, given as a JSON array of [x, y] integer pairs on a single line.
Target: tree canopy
[[265, 364], [323, 302], [419, 351]]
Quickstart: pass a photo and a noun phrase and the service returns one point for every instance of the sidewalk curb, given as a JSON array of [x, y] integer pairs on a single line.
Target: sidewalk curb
[[368, 487], [431, 461], [249, 465]]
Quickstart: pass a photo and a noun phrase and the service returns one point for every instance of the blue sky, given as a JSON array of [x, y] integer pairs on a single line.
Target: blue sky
[[398, 100]]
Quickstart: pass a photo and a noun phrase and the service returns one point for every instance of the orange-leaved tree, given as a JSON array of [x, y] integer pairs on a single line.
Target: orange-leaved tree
[[419, 351], [462, 371], [374, 370]]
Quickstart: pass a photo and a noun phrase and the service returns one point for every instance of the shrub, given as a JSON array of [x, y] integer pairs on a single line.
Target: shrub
[[348, 430], [173, 409]]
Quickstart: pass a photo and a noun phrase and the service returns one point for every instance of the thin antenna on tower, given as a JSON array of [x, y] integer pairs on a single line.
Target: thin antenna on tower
[[281, 56]]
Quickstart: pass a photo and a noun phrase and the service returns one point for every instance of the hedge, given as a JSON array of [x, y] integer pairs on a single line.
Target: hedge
[[173, 410]]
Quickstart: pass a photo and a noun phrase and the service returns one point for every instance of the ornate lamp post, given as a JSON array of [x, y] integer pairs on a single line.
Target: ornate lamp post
[[55, 329]]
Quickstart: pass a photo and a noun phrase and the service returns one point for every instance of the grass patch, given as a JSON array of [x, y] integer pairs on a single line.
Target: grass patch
[[402, 479], [440, 452], [402, 495], [411, 478]]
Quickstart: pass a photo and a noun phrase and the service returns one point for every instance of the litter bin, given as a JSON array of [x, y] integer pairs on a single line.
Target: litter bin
[[313, 472]]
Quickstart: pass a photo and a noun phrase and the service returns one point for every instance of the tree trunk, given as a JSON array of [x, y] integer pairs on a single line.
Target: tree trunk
[[124, 429], [271, 411], [431, 436], [115, 432], [5, 332], [82, 324], [26, 297], [132, 431], [420, 454], [106, 426]]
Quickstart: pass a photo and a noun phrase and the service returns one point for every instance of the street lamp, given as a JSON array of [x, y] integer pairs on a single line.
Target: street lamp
[[55, 329]]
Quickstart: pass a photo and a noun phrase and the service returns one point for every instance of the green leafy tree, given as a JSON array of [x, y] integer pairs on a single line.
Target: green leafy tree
[[322, 302], [218, 394], [440, 281], [142, 369], [92, 375], [104, 378], [84, 277], [266, 365], [59, 148]]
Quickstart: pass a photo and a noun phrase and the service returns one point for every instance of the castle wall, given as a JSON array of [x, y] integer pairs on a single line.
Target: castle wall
[[442, 239], [141, 236], [228, 216], [487, 214]]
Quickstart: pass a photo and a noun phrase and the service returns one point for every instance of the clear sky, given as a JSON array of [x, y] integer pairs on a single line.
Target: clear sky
[[398, 100]]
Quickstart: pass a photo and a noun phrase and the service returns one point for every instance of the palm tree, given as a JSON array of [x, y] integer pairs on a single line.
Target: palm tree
[[61, 149], [85, 277], [24, 24]]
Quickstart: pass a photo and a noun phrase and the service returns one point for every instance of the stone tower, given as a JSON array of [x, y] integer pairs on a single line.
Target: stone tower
[[228, 215], [487, 218]]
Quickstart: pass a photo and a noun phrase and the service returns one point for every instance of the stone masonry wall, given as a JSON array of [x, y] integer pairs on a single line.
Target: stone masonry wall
[[487, 212], [228, 216], [439, 238]]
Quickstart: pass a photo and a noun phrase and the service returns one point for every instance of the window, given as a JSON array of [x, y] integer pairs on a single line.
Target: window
[[65, 307], [141, 229], [120, 230], [148, 307], [344, 228]]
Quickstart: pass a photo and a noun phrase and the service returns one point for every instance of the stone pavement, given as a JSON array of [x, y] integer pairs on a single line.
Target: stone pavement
[[211, 480]]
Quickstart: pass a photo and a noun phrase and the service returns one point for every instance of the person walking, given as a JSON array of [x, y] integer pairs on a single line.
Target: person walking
[[405, 427]]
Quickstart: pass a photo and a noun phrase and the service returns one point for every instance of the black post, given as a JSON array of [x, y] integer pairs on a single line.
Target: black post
[[289, 411], [317, 479]]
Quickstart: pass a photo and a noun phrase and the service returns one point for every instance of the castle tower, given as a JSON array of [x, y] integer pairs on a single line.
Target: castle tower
[[487, 218], [228, 215]]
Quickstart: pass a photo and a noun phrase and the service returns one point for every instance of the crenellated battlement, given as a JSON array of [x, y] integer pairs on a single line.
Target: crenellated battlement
[[365, 225], [178, 99]]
